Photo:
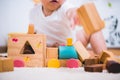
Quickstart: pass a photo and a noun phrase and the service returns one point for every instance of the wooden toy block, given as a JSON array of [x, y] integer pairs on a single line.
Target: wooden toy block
[[94, 68], [6, 64], [112, 65], [63, 62], [72, 63], [82, 52], [30, 48], [69, 42], [52, 53], [92, 60], [53, 63], [67, 52], [90, 18], [105, 54], [31, 29]]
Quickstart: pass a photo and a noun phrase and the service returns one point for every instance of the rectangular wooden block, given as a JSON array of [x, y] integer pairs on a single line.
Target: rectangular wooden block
[[112, 65], [105, 54], [52, 53], [6, 64], [69, 42], [82, 52], [90, 18], [37, 45], [94, 68], [90, 61], [63, 62], [31, 29]]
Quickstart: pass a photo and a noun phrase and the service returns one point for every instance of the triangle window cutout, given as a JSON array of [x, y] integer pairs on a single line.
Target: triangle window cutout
[[27, 49]]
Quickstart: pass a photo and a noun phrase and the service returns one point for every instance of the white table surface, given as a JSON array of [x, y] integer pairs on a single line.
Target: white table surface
[[62, 73], [56, 74]]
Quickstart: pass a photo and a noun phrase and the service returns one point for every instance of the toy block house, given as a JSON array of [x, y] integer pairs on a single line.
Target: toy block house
[[30, 48]]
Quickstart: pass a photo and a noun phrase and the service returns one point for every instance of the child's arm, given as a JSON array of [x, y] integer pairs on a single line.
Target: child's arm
[[96, 39], [97, 42]]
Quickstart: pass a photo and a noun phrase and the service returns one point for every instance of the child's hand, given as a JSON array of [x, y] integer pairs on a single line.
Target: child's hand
[[74, 18]]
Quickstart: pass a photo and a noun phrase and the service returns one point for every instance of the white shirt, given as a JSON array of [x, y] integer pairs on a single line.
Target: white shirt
[[56, 27]]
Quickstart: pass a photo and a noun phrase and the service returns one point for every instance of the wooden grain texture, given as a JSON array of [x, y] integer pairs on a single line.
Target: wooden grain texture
[[94, 68], [6, 64], [16, 43], [82, 52], [90, 18]]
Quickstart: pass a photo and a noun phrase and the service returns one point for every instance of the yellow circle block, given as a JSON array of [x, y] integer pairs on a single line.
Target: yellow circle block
[[53, 63]]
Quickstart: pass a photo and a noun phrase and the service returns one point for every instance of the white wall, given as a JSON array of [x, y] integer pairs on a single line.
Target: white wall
[[14, 15]]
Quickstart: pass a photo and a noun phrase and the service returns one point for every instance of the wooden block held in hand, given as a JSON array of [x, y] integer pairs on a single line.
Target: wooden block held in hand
[[90, 18]]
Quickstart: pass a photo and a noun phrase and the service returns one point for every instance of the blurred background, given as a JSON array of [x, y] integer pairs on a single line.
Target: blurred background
[[14, 17]]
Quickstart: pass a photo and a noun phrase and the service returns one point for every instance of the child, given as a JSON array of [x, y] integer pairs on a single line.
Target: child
[[54, 18]]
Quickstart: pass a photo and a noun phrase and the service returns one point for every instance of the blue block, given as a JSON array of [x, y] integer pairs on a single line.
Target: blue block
[[67, 52]]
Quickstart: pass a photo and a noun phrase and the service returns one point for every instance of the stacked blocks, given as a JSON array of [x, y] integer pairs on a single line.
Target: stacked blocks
[[93, 64], [6, 64], [90, 18], [52, 53], [67, 52], [68, 56]]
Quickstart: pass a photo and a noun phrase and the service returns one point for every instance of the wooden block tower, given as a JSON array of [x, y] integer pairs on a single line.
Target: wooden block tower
[[90, 18], [30, 48]]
